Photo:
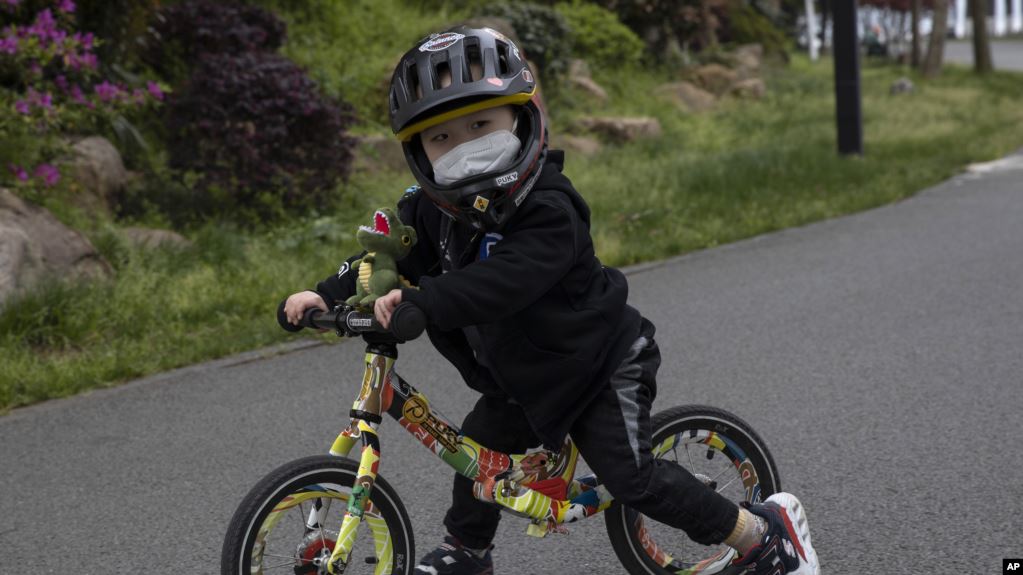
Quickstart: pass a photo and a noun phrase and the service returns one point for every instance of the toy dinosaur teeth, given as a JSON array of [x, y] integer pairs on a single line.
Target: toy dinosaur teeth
[[370, 230], [382, 225]]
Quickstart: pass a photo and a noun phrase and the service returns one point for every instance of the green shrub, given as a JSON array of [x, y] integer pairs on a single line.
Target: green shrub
[[599, 37], [353, 60], [543, 33], [742, 24]]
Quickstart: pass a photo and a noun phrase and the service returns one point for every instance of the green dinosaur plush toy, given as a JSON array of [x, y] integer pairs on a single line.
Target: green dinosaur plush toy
[[385, 243]]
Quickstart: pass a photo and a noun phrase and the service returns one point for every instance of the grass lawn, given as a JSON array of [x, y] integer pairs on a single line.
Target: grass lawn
[[745, 169]]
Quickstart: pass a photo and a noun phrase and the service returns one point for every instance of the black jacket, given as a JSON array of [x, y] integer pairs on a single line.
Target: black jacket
[[532, 315]]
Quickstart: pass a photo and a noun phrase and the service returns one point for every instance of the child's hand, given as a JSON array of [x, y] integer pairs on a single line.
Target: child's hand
[[384, 307], [298, 303]]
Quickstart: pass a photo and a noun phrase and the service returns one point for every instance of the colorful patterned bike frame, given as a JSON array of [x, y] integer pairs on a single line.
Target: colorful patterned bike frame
[[540, 485]]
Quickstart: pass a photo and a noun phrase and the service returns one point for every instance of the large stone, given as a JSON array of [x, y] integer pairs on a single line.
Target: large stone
[[35, 246], [748, 60], [750, 89], [622, 129], [589, 87], [152, 238], [98, 169], [687, 96], [580, 144], [714, 78]]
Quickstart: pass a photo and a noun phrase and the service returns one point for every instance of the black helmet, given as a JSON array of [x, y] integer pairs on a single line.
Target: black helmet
[[418, 101]]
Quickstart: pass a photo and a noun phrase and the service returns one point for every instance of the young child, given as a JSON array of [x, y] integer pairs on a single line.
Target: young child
[[517, 300]]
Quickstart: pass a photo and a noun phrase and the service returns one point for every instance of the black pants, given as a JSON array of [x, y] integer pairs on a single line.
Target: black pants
[[613, 436]]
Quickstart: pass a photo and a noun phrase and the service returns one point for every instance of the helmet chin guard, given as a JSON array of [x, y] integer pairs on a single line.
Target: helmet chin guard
[[420, 99]]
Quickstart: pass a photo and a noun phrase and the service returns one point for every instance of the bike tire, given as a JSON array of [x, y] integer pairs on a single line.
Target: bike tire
[[328, 474], [643, 554]]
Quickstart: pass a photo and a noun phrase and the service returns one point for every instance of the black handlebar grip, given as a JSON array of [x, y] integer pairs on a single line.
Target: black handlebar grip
[[307, 317], [282, 319], [407, 321]]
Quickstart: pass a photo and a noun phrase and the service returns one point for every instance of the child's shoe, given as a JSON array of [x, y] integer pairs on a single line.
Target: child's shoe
[[451, 558], [785, 547]]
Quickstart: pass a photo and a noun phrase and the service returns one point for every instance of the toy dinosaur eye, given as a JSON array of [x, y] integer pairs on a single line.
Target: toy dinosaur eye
[[405, 240]]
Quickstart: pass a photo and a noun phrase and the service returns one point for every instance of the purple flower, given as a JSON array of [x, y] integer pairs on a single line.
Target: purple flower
[[18, 172], [89, 60], [44, 100], [9, 44], [12, 3], [154, 90], [66, 6], [107, 91], [45, 20], [50, 174], [61, 82], [22, 107], [84, 39]]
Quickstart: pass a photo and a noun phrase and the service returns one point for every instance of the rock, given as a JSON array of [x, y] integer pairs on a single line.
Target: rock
[[622, 129], [750, 89], [581, 144], [151, 238], [34, 246], [714, 78], [687, 96], [579, 67], [98, 168], [379, 152], [748, 59], [901, 86], [590, 87]]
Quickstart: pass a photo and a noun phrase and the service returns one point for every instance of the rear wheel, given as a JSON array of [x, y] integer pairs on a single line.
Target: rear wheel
[[726, 454], [278, 528]]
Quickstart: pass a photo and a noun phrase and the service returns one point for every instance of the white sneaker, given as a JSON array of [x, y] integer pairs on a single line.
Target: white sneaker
[[785, 547]]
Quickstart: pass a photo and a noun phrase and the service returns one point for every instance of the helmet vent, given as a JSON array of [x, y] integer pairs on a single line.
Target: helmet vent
[[473, 59], [502, 59], [441, 70], [415, 92]]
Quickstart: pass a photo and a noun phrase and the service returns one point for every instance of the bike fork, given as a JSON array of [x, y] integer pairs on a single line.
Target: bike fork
[[357, 502]]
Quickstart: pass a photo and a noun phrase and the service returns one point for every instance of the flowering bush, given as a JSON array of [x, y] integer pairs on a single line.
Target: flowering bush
[[50, 87]]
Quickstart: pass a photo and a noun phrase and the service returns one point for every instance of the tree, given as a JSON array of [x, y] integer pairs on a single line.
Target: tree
[[936, 45], [914, 59], [981, 43]]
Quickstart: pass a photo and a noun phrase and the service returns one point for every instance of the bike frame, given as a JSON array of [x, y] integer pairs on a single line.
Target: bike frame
[[539, 485]]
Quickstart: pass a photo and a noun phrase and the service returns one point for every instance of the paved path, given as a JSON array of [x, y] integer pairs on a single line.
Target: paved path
[[1006, 54], [878, 354]]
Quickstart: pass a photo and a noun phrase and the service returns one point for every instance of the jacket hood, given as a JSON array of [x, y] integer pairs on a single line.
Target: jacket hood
[[551, 178]]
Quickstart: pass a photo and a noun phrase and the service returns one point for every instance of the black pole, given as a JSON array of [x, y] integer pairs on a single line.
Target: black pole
[[846, 52]]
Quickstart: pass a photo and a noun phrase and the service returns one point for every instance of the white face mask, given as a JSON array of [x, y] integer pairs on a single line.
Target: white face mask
[[495, 151]]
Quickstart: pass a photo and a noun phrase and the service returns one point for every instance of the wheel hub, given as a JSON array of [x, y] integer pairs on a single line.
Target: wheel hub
[[313, 553]]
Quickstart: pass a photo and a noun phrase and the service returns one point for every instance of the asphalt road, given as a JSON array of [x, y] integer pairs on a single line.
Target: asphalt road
[[1006, 54], [880, 355]]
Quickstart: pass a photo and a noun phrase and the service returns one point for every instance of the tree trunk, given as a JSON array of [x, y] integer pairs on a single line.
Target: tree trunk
[[981, 44], [825, 16], [936, 45], [914, 58]]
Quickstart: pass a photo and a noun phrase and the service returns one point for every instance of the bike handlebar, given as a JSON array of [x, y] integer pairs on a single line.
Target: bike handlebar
[[407, 321]]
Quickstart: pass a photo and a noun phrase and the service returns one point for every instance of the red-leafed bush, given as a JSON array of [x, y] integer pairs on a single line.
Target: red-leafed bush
[[255, 135], [255, 124]]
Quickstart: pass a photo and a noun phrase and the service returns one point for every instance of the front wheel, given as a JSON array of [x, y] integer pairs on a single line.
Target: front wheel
[[289, 522], [725, 453]]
